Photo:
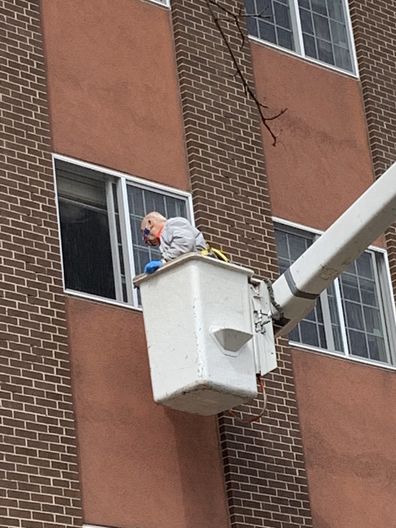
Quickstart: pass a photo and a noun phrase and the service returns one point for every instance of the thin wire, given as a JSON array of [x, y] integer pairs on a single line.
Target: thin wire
[[255, 417]]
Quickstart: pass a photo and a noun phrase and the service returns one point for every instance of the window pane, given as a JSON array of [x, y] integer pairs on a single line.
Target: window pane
[[85, 233], [264, 8], [327, 21], [250, 7], [294, 335], [309, 334], [368, 292], [282, 16], [283, 264], [267, 31], [310, 46], [297, 247], [350, 287], [86, 249], [306, 22], [322, 28], [252, 27], [359, 310], [372, 319], [281, 243], [154, 202], [325, 51], [335, 319], [135, 199], [175, 207], [342, 58], [335, 9], [319, 6], [377, 350], [337, 336], [339, 34], [365, 313], [322, 336], [285, 38], [357, 343], [354, 315], [272, 23], [364, 266]]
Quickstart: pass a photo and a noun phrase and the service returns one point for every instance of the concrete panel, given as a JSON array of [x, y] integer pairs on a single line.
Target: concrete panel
[[113, 89], [141, 464], [321, 162], [348, 421]]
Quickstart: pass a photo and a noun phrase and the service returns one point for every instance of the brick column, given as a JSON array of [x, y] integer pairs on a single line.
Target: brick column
[[374, 25], [264, 463], [39, 473]]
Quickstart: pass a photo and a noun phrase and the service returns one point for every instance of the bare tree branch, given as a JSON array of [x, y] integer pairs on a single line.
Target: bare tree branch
[[248, 90]]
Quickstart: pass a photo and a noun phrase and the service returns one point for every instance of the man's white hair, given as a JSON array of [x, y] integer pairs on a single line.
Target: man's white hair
[[153, 216]]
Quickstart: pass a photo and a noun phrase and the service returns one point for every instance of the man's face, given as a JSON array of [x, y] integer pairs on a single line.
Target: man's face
[[149, 236]]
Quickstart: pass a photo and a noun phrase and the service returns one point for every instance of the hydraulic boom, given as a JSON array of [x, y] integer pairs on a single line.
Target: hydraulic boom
[[296, 291]]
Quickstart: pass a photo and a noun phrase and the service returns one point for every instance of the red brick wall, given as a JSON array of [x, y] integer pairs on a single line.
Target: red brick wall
[[264, 462], [39, 474], [374, 24]]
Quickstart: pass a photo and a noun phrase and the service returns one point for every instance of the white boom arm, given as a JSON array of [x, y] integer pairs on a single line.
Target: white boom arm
[[296, 291]]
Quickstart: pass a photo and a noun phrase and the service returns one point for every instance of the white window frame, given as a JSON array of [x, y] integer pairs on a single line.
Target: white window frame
[[383, 282], [166, 3], [122, 180], [298, 40], [96, 526]]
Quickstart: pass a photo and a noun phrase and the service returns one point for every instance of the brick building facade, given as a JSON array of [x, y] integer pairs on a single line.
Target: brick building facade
[[111, 108]]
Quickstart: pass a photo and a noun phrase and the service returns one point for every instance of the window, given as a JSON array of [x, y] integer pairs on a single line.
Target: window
[[354, 316], [100, 215], [317, 29]]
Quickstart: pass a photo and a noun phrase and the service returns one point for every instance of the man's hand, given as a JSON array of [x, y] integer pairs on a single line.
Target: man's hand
[[152, 266]]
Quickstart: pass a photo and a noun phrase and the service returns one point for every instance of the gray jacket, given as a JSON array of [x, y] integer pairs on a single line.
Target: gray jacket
[[178, 237]]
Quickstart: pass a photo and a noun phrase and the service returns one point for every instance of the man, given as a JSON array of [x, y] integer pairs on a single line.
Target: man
[[174, 237]]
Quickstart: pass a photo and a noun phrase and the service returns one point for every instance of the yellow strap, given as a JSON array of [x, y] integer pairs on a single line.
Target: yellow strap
[[210, 251]]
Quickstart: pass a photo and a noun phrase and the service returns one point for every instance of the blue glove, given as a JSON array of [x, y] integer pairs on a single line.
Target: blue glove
[[152, 266]]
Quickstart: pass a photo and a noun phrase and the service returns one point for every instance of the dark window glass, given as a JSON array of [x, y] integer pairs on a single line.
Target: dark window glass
[[306, 21], [322, 28], [349, 317], [86, 248], [325, 32], [282, 16], [285, 38], [267, 31], [325, 51], [92, 245], [339, 34], [362, 310], [272, 22], [310, 46], [336, 10], [342, 58], [252, 27], [319, 6], [264, 8]]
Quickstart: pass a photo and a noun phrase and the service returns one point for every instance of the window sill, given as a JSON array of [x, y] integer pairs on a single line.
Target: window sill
[[159, 3], [303, 58], [103, 300], [340, 355]]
